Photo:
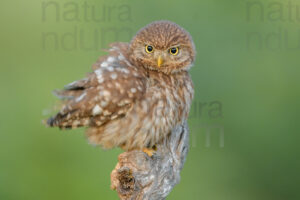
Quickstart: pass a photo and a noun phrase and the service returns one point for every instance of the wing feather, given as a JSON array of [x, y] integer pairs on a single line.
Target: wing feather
[[105, 94]]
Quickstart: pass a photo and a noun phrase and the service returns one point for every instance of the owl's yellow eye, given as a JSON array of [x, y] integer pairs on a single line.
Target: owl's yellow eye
[[149, 48], [174, 51]]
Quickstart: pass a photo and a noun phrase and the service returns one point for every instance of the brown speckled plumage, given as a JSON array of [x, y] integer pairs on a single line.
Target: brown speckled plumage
[[128, 100]]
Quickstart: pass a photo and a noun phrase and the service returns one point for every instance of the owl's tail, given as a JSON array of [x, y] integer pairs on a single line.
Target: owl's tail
[[67, 120]]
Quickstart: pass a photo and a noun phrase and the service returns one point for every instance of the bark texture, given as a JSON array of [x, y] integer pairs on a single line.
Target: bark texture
[[140, 177]]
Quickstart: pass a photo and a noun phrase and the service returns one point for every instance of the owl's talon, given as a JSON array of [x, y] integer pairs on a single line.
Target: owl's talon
[[150, 151]]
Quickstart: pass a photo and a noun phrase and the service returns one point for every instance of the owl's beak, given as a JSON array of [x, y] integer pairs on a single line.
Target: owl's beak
[[159, 61]]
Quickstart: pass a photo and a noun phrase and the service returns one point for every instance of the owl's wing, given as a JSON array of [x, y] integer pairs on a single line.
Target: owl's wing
[[105, 94]]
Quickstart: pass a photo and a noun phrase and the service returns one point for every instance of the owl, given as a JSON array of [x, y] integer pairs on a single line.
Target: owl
[[136, 94]]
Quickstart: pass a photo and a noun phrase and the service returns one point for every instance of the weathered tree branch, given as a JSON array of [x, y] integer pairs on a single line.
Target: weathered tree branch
[[138, 176]]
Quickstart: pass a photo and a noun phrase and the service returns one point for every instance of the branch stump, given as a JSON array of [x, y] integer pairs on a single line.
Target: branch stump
[[140, 177]]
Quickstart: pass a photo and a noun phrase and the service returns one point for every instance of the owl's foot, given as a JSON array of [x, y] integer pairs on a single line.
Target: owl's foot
[[150, 151]]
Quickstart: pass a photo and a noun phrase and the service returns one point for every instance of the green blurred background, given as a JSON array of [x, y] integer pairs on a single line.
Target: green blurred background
[[244, 120]]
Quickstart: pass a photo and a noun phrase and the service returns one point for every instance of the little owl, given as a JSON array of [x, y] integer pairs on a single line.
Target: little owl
[[137, 93]]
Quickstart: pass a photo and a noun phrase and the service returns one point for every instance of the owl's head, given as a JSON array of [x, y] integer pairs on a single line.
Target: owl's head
[[163, 46]]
